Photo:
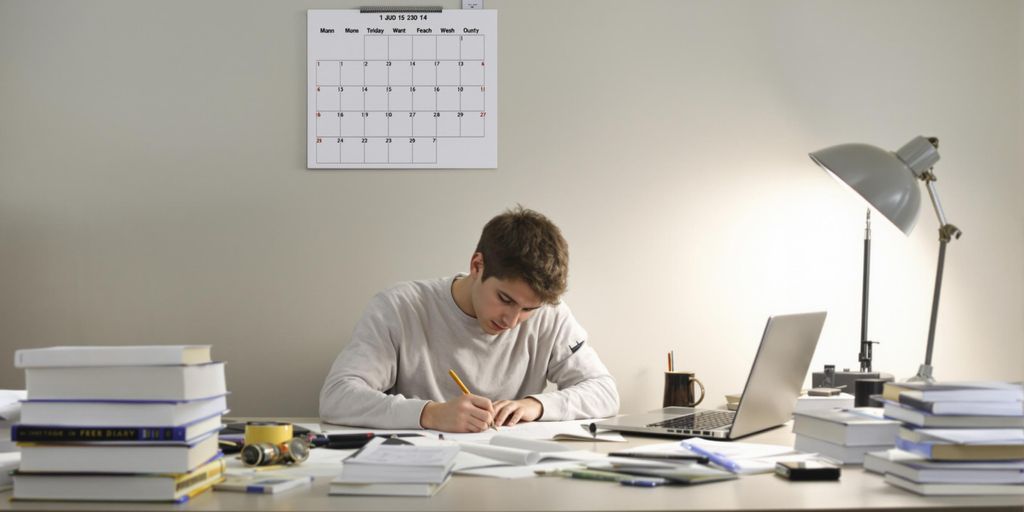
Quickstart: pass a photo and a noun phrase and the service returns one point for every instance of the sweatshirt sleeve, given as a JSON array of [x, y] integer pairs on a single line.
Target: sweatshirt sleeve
[[354, 392], [585, 387]]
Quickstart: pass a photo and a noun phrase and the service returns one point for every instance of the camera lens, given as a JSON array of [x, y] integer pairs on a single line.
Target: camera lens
[[258, 454]]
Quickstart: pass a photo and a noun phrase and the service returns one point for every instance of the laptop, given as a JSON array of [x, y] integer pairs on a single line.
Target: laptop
[[769, 397]]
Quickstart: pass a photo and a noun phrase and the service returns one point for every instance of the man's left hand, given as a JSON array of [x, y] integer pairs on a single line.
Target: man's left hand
[[510, 412]]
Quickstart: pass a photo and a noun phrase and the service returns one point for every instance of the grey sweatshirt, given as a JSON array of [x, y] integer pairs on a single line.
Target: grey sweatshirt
[[412, 334]]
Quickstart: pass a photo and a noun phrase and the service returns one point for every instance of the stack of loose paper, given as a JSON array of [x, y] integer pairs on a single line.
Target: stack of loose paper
[[396, 468], [741, 457], [844, 435], [136, 423], [956, 439], [514, 457]]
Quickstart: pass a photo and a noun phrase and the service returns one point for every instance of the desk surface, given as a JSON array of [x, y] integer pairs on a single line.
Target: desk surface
[[856, 490]]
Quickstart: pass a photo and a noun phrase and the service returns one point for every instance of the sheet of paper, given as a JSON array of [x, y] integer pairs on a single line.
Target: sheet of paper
[[748, 458], [518, 471], [534, 430]]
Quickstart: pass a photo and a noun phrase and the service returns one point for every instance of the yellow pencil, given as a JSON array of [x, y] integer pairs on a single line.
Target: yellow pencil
[[465, 390]]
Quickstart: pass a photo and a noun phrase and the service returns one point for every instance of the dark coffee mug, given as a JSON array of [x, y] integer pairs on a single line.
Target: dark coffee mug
[[864, 388], [680, 391]]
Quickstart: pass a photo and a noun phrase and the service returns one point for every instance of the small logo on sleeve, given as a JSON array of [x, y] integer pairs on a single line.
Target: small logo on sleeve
[[576, 346]]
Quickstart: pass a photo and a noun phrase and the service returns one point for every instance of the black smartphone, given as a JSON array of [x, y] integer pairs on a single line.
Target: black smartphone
[[807, 470]]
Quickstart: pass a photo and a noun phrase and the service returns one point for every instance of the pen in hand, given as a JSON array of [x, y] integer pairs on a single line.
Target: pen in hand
[[465, 391]]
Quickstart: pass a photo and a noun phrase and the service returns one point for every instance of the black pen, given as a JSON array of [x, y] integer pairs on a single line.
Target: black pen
[[349, 441], [662, 456]]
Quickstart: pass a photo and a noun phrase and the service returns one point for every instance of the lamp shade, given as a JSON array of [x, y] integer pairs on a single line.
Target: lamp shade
[[881, 177]]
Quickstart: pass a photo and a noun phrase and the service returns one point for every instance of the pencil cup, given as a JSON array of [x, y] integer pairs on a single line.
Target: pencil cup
[[680, 390]]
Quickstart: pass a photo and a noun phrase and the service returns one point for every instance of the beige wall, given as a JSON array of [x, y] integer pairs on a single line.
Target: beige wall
[[153, 185]]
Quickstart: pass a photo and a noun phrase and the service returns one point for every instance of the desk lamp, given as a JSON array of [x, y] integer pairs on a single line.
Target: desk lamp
[[886, 180]]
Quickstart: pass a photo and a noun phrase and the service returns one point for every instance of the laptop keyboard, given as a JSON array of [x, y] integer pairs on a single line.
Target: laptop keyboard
[[700, 420]]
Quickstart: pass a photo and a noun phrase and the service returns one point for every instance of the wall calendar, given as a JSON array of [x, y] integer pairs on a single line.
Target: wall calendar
[[402, 90]]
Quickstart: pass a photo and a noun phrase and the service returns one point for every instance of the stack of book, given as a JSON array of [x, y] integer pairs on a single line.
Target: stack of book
[[844, 435], [119, 423], [393, 467], [955, 439]]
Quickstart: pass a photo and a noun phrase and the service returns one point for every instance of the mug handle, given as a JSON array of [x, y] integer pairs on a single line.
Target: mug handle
[[699, 383]]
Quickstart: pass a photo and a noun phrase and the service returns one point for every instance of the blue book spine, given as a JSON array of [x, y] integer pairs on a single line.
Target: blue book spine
[[52, 434], [924, 449]]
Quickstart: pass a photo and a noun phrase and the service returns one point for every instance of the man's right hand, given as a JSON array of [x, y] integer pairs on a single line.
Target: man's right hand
[[467, 413]]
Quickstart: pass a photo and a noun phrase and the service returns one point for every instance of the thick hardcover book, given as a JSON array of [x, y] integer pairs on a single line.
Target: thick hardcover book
[[62, 434], [918, 469], [956, 489], [920, 418], [963, 452], [837, 452], [90, 413], [142, 487], [126, 382], [971, 407], [846, 427], [993, 391], [143, 355], [106, 458]]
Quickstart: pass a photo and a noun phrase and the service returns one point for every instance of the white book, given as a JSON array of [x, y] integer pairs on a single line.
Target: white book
[[102, 458], [823, 403], [851, 427], [956, 489], [982, 391], [385, 489], [118, 435], [382, 462], [140, 355], [916, 468], [126, 382], [970, 436], [142, 487], [923, 419], [262, 484], [839, 453], [87, 413]]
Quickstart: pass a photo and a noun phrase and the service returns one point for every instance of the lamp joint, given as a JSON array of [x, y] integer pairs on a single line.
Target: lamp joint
[[948, 232]]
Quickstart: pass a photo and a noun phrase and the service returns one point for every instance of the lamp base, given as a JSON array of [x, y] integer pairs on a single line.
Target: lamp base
[[924, 374]]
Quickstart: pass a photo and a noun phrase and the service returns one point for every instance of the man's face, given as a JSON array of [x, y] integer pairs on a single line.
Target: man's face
[[501, 304]]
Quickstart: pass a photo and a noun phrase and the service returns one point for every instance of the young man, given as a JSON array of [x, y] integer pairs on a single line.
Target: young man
[[501, 328]]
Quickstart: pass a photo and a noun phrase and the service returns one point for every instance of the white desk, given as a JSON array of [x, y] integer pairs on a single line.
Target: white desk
[[856, 490]]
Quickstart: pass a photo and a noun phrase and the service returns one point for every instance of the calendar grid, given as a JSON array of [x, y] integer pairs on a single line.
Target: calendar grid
[[400, 98]]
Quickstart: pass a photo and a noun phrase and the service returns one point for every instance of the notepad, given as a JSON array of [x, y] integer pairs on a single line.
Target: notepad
[[379, 462]]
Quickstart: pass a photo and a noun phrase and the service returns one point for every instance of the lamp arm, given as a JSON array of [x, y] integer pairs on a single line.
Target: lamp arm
[[947, 232]]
